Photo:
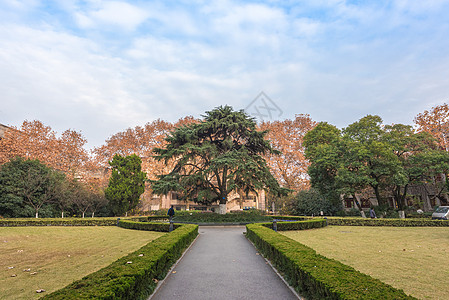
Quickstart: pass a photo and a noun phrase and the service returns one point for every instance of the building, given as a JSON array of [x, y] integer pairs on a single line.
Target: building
[[235, 202], [420, 196], [3, 129]]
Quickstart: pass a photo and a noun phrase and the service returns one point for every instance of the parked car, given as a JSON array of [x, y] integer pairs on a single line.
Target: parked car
[[441, 213]]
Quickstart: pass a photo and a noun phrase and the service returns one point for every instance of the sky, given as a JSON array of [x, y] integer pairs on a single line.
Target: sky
[[100, 67]]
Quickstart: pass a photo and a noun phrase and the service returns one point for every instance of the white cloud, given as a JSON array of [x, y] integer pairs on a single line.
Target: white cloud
[[334, 60], [112, 13]]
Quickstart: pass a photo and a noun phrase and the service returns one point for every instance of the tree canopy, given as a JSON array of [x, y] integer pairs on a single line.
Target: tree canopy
[[126, 184], [367, 154], [222, 153]]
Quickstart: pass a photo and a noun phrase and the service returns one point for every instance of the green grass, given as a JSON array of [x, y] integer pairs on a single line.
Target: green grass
[[60, 255], [413, 258]]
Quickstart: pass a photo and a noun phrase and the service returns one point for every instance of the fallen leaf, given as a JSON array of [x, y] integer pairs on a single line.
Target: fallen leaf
[[27, 270], [33, 273], [40, 291], [9, 268], [13, 275], [129, 262], [174, 272], [140, 255]]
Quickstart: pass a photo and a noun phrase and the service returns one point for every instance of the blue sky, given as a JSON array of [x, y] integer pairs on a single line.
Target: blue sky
[[100, 67]]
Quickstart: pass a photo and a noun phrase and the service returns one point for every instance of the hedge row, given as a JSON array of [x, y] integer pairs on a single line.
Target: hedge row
[[348, 221], [58, 222], [161, 227], [299, 225], [133, 276], [315, 276], [149, 218]]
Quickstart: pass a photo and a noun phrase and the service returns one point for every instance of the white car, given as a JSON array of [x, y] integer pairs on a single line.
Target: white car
[[441, 213]]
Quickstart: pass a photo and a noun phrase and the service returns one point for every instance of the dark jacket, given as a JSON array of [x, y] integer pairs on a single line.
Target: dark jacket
[[171, 212]]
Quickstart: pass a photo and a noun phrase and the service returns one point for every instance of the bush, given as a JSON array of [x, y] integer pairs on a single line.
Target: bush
[[311, 202], [59, 222], [299, 225], [316, 276], [348, 221], [160, 227], [137, 280], [240, 217]]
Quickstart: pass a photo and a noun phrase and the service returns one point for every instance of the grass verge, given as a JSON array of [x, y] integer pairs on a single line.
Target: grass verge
[[59, 255], [411, 258]]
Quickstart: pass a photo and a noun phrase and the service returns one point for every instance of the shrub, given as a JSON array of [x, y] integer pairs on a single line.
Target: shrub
[[239, 217], [137, 280], [160, 227], [311, 202], [316, 276], [59, 222], [299, 225]]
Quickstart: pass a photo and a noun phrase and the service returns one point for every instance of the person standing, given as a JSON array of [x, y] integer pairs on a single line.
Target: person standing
[[372, 213], [171, 213]]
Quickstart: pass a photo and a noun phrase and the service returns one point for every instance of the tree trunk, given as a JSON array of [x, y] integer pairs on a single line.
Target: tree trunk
[[380, 201], [357, 203], [222, 208], [83, 214], [37, 214], [62, 214], [401, 214], [93, 214]]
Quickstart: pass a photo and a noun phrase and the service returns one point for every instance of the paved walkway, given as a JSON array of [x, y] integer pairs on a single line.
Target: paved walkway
[[222, 264]]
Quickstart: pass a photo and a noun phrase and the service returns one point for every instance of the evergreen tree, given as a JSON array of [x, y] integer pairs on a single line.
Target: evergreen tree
[[126, 184], [221, 154]]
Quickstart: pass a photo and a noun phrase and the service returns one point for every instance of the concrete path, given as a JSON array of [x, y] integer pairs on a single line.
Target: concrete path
[[222, 264]]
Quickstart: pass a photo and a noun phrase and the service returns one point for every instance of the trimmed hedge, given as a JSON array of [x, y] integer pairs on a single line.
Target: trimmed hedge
[[299, 225], [161, 227], [58, 222], [240, 217], [148, 218], [315, 276], [137, 280], [348, 221]]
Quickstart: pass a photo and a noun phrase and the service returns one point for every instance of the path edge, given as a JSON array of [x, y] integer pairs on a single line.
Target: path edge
[[162, 282], [276, 271]]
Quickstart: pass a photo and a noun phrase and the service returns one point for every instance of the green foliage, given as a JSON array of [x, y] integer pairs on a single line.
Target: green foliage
[[320, 149], [221, 154], [142, 225], [121, 280], [369, 156], [315, 276], [26, 187], [311, 202], [243, 217], [298, 225], [420, 222], [58, 222], [126, 184]]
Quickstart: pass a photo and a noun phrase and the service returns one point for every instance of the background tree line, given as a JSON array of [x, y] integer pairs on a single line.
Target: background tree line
[[304, 162]]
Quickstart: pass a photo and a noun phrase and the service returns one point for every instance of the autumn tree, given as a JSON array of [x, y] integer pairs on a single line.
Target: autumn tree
[[435, 122], [287, 136], [34, 140], [221, 154], [126, 184]]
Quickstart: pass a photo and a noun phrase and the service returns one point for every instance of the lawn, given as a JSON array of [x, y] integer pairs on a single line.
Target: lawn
[[56, 256], [412, 258]]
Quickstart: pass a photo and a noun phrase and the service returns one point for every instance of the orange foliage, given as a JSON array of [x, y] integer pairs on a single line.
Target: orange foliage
[[34, 140], [435, 122], [290, 167]]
